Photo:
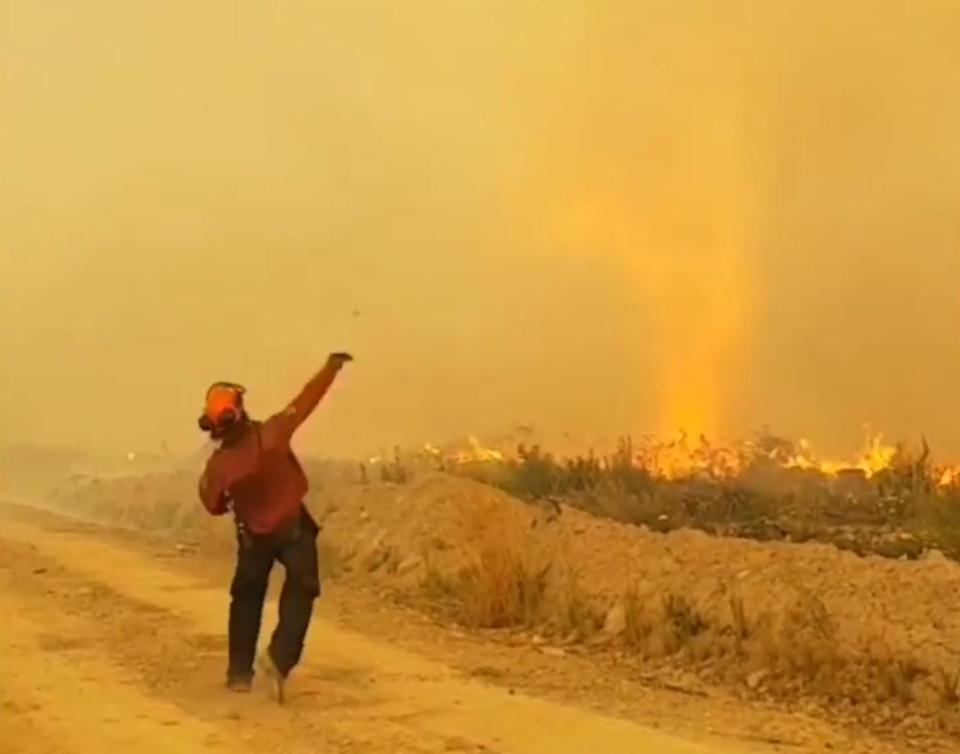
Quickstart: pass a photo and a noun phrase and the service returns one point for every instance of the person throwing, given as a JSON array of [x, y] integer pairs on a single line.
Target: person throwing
[[254, 473]]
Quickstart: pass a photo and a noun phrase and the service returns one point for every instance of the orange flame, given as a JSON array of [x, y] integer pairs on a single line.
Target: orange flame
[[683, 457]]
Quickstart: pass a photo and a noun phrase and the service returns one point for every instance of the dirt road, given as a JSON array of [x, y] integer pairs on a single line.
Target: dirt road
[[104, 648], [107, 645]]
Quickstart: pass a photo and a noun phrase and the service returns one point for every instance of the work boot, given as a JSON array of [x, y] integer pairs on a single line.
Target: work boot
[[241, 685], [273, 675]]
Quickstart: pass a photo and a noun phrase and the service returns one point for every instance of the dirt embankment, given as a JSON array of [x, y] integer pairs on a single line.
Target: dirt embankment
[[775, 619]]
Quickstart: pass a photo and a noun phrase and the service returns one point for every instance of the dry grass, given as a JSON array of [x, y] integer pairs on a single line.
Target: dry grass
[[683, 618], [637, 627], [573, 617], [435, 585], [501, 590], [949, 687], [740, 624], [897, 680]]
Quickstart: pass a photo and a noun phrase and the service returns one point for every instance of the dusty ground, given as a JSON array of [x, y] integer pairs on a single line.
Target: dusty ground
[[870, 638], [111, 639]]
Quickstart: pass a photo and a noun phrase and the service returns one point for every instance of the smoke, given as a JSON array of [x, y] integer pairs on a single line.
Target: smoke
[[780, 185], [596, 217]]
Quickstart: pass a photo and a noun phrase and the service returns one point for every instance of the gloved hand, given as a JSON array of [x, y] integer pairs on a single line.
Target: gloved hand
[[339, 359]]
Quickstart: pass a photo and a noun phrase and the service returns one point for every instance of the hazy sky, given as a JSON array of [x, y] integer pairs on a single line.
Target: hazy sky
[[595, 216]]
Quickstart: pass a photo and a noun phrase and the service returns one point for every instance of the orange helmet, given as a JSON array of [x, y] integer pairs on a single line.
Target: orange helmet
[[223, 405]]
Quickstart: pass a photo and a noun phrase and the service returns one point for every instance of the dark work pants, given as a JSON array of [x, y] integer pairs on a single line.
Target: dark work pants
[[296, 548]]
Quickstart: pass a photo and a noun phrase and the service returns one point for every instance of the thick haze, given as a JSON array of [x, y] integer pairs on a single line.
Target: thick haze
[[595, 216]]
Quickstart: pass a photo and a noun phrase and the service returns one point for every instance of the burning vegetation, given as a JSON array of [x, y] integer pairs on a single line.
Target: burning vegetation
[[892, 500]]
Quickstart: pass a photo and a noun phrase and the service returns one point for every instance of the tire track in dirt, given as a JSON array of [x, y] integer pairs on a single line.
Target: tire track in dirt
[[148, 643]]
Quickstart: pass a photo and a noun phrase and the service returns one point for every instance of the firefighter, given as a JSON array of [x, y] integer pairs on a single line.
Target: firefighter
[[254, 473]]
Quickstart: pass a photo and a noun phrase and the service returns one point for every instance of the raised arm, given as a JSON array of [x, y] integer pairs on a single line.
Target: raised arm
[[296, 413]]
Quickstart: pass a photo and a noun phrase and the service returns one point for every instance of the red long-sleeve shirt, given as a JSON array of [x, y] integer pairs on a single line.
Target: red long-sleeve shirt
[[258, 472]]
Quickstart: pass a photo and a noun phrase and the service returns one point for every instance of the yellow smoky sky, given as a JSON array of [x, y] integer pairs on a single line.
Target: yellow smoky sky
[[597, 217]]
